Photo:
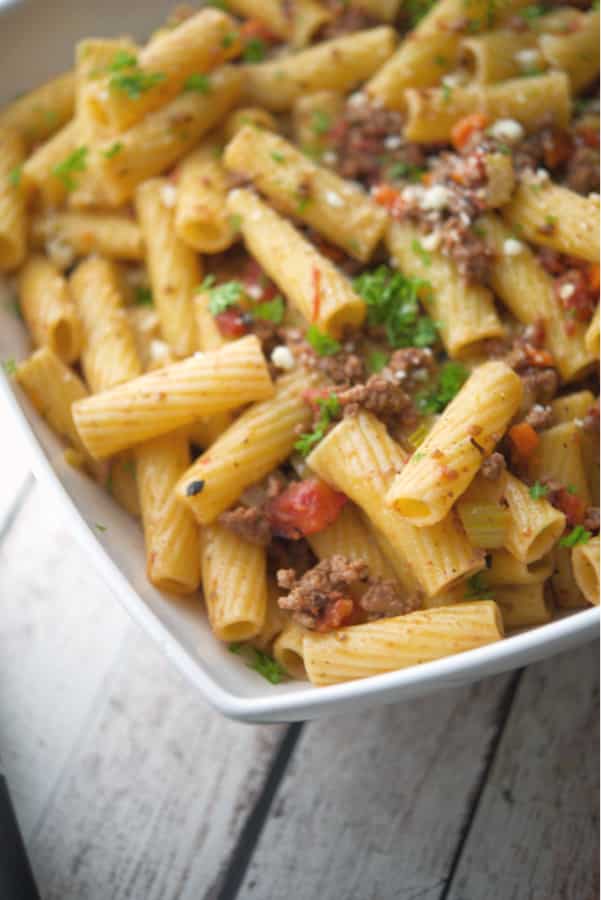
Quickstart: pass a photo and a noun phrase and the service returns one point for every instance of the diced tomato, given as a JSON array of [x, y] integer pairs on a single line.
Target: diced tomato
[[593, 277], [462, 131], [304, 508], [231, 323], [338, 612], [388, 197], [316, 278], [312, 395], [572, 506], [557, 149], [253, 28], [540, 358], [581, 302], [525, 440], [254, 277]]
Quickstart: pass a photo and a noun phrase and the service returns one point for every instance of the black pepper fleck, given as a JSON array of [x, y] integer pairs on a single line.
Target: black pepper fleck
[[194, 488]]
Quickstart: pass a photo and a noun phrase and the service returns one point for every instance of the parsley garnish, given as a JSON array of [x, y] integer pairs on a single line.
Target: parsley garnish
[[320, 122], [302, 202], [143, 296], [199, 83], [75, 162], [99, 527], [272, 310], [477, 588], [538, 490], [446, 93], [235, 222], [329, 408], [421, 252], [254, 51], [441, 60], [571, 489], [532, 12], [278, 157], [227, 40], [9, 366], [135, 82], [323, 344], [14, 176], [417, 9], [450, 381], [392, 301], [122, 60], [376, 360], [578, 535], [405, 170], [223, 296], [113, 150], [262, 663]]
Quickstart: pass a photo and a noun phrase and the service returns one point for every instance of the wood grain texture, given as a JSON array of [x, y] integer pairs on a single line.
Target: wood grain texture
[[372, 805], [536, 830]]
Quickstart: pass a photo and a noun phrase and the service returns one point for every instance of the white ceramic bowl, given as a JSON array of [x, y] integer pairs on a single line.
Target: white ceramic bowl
[[36, 42]]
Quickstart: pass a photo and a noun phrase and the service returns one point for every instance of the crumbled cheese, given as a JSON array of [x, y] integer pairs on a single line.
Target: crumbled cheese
[[282, 357], [334, 199], [455, 79], [158, 350], [528, 58], [506, 130], [411, 194], [393, 142], [431, 241], [512, 247], [254, 290], [566, 291], [357, 99], [330, 158], [541, 176], [169, 195], [436, 197], [579, 423]]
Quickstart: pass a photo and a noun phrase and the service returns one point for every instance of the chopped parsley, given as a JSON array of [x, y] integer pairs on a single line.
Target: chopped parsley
[[278, 157], [477, 588], [143, 296], [405, 170], [9, 366], [423, 254], [446, 93], [329, 408], [228, 40], [578, 535], [99, 527], [320, 122], [450, 381], [113, 150], [75, 162], [302, 202], [441, 60], [323, 344], [14, 176], [417, 9], [222, 296], [265, 665], [272, 310], [134, 82], [201, 84], [538, 490], [571, 489], [376, 360], [122, 60], [393, 301], [235, 222], [254, 51], [532, 12]]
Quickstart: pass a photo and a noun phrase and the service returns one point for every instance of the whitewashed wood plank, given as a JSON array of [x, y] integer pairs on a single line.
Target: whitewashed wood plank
[[371, 805], [60, 631], [155, 794], [536, 831]]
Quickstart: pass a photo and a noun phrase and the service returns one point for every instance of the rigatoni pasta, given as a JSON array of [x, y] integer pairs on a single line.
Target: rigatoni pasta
[[48, 308], [12, 202]]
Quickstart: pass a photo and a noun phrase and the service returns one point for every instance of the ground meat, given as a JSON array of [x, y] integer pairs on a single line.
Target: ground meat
[[582, 172], [591, 420], [320, 598], [493, 466], [411, 366], [591, 519], [540, 385], [368, 143], [268, 333], [249, 522], [346, 19], [343, 368], [285, 554], [382, 598], [386, 399], [539, 417], [468, 250]]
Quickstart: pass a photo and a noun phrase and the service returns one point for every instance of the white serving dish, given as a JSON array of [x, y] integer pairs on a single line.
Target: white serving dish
[[36, 42]]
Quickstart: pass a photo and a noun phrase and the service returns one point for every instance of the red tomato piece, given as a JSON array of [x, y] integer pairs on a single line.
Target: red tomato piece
[[231, 323], [304, 508], [572, 507], [253, 276], [339, 611]]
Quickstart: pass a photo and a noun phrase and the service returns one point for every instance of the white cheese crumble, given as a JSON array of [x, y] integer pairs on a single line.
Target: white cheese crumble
[[506, 130], [566, 291], [455, 79], [282, 357], [158, 350], [431, 241], [357, 99], [512, 247], [330, 158], [254, 290], [169, 195], [528, 58], [436, 197], [393, 142], [334, 199]]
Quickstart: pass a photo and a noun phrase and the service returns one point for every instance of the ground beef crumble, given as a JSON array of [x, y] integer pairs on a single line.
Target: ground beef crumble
[[590, 422], [493, 466], [346, 19], [249, 522], [381, 396]]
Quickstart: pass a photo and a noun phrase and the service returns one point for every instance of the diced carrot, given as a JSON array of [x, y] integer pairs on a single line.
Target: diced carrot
[[463, 130], [573, 507], [541, 358], [387, 196], [254, 28], [593, 277], [316, 276], [427, 178], [524, 439]]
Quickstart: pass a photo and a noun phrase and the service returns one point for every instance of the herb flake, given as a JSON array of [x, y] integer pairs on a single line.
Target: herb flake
[[74, 163], [329, 409], [578, 535], [393, 301], [323, 344]]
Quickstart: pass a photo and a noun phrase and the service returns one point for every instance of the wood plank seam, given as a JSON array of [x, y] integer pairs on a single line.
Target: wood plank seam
[[15, 507], [505, 707], [227, 886]]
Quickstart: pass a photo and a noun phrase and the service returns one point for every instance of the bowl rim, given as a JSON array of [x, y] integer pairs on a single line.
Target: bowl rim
[[578, 627]]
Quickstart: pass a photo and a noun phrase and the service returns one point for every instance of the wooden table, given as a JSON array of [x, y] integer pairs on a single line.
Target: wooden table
[[128, 787]]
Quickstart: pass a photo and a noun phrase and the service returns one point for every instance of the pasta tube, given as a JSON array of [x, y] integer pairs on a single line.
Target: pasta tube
[[566, 592], [450, 456], [109, 355], [201, 219], [39, 174], [350, 536], [275, 619], [466, 313], [359, 458], [248, 115], [571, 406], [13, 228], [288, 650], [81, 233], [296, 24], [432, 113], [390, 644], [556, 217], [163, 400], [39, 113], [585, 562], [535, 525], [591, 338], [337, 65], [123, 485], [559, 455], [382, 10], [174, 268], [495, 55], [48, 308], [261, 438], [505, 569], [336, 208], [576, 53], [308, 279], [234, 582], [170, 532], [523, 605]]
